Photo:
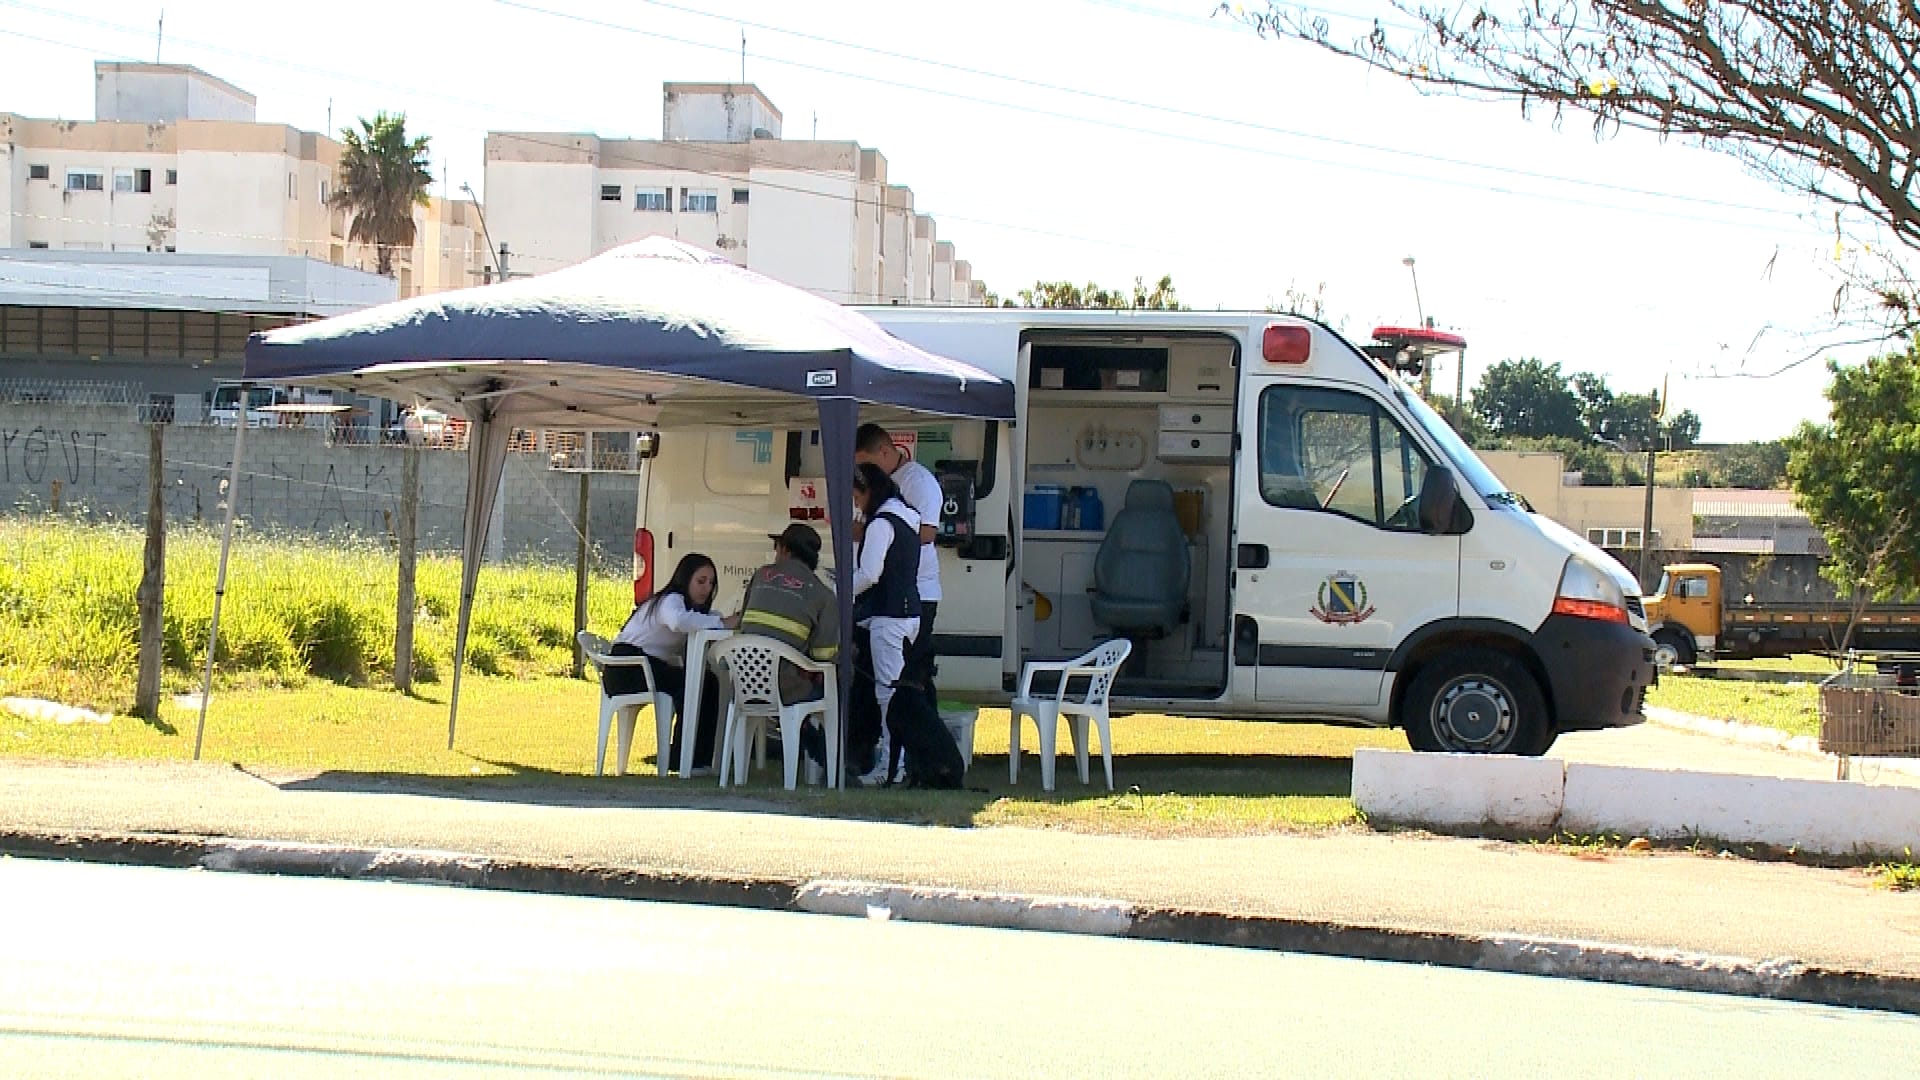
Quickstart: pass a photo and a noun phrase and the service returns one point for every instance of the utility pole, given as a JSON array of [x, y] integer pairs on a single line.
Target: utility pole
[[1653, 441], [501, 260], [1646, 525], [1419, 309]]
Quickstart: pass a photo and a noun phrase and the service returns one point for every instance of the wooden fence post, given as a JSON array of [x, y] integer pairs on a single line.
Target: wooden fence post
[[150, 597], [409, 542]]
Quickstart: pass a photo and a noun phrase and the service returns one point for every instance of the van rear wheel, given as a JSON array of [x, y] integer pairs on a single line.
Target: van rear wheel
[[1477, 702]]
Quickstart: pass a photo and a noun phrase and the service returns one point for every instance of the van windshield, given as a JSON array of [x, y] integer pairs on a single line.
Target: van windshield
[[1473, 472]]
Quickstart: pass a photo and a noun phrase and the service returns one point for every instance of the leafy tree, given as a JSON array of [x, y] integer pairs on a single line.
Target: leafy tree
[[1596, 400], [1858, 474], [1632, 418], [1682, 429], [1462, 419], [1751, 465], [1528, 397], [1065, 294], [383, 176]]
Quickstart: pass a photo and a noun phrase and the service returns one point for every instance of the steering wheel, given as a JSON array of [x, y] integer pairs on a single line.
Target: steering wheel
[[1408, 513], [1335, 490]]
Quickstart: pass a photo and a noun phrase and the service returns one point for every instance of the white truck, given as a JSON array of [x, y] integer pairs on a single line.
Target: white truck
[[1336, 552]]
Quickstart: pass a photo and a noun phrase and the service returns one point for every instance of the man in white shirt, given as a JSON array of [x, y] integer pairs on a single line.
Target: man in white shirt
[[921, 492]]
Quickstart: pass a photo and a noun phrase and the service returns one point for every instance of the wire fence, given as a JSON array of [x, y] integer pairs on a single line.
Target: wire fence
[[563, 451], [70, 392]]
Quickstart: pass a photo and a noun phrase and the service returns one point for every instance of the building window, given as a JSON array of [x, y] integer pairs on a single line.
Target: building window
[[739, 196], [86, 180], [653, 200], [293, 191], [609, 192], [132, 181], [324, 192], [173, 177], [37, 245], [1619, 538], [39, 172], [705, 201]]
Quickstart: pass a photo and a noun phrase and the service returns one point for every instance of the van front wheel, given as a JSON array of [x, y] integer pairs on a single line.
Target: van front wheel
[[1477, 702]]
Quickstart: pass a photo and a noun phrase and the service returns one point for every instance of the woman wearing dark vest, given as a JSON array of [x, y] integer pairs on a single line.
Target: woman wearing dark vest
[[886, 593]]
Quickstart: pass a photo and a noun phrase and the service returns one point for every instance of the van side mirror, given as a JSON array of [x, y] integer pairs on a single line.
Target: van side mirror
[[1441, 511]]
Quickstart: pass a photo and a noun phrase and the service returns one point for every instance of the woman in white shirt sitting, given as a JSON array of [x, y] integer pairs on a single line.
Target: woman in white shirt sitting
[[659, 627]]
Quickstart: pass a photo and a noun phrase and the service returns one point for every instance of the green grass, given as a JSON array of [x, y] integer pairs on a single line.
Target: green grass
[[294, 610], [1176, 776], [1898, 876], [1790, 707], [1817, 667], [304, 684]]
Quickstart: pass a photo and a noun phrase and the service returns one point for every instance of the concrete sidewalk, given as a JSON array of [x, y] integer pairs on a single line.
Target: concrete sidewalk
[[1769, 928]]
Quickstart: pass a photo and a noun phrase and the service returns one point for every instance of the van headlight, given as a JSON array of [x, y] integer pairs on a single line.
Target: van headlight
[[1588, 592]]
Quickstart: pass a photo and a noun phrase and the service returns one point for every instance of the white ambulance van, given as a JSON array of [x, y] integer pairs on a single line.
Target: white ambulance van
[[1279, 524]]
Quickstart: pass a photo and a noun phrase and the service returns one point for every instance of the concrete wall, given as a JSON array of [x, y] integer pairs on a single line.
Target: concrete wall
[[1537, 475], [164, 93], [803, 232], [716, 112], [1467, 792], [544, 212], [293, 481]]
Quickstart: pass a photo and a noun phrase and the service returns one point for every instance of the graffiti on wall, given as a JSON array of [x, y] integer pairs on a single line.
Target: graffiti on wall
[[27, 454]]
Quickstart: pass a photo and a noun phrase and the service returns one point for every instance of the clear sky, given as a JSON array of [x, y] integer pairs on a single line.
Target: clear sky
[[1100, 140]]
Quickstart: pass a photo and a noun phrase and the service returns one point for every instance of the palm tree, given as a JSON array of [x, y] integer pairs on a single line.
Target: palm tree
[[383, 176]]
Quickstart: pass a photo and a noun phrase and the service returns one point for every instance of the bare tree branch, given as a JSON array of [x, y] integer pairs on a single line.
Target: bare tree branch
[[1818, 96]]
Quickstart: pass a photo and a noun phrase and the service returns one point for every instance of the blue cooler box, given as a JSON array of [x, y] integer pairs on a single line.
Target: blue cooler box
[[1041, 508]]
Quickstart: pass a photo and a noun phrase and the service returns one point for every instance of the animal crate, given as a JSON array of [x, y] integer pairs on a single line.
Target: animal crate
[[1864, 715]]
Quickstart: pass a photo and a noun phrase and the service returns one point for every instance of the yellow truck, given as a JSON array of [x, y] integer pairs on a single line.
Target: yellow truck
[[1691, 620]]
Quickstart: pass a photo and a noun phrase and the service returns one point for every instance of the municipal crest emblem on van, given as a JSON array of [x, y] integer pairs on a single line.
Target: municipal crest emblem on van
[[1343, 599]]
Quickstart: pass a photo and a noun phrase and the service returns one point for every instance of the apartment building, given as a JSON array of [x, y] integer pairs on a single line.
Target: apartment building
[[176, 161], [819, 214]]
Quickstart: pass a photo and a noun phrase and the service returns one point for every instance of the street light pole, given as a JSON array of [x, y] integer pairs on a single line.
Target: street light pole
[[499, 265]]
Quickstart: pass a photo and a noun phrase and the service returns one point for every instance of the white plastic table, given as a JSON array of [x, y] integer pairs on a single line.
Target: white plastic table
[[697, 643]]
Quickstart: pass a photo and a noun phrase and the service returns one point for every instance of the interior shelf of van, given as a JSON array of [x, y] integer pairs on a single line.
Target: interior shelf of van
[[1110, 415]]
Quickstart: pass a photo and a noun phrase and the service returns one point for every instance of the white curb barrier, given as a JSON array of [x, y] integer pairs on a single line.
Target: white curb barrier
[[1828, 817], [1456, 790], [961, 907]]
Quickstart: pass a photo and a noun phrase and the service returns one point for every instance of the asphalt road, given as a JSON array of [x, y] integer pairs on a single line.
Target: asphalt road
[[118, 971]]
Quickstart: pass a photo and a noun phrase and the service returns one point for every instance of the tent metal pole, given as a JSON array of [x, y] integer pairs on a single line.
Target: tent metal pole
[[220, 577], [838, 418]]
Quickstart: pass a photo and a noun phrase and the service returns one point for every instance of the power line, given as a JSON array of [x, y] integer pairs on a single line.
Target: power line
[[1420, 178], [1110, 99]]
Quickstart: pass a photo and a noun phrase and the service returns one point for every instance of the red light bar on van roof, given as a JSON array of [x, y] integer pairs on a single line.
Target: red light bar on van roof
[[1427, 340], [1286, 344]]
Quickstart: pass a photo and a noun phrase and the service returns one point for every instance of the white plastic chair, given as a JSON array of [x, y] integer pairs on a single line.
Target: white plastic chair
[[626, 706], [753, 667], [960, 726], [1098, 668]]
